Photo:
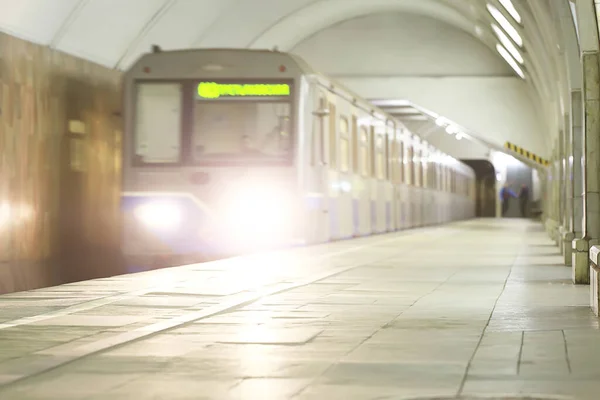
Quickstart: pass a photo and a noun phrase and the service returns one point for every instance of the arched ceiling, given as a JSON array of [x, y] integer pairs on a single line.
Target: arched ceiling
[[115, 32]]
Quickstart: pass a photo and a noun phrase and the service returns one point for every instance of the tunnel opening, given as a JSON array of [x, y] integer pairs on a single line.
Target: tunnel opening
[[485, 187]]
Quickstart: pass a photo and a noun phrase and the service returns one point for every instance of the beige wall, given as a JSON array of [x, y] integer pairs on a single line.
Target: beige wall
[[57, 223]]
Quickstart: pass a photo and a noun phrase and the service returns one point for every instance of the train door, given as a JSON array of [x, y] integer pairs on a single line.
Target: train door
[[333, 175], [317, 193], [378, 189], [402, 181], [425, 211], [343, 186], [395, 179], [356, 180], [420, 198], [408, 181], [365, 172], [390, 188]]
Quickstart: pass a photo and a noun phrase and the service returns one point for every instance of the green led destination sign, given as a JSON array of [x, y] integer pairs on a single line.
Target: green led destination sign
[[212, 90]]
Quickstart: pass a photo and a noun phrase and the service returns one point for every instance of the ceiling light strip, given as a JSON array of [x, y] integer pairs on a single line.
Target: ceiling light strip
[[511, 61], [505, 24]]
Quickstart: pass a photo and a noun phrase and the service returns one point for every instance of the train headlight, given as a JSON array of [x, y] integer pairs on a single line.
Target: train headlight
[[159, 215]]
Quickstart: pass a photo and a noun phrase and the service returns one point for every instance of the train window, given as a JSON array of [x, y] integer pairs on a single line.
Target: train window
[[394, 160], [453, 181], [408, 162], [241, 129], [344, 145], [355, 144], [372, 153], [379, 157], [418, 176], [332, 136], [439, 172], [424, 162], [158, 122], [400, 161], [318, 153], [364, 152], [386, 157], [343, 125], [344, 153]]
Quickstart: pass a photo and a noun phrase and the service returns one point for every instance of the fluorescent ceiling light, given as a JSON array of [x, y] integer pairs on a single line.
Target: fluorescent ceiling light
[[501, 19], [440, 121], [508, 5], [511, 61], [390, 102], [508, 44], [451, 129]]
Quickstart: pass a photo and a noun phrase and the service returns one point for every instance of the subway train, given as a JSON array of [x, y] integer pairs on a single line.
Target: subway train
[[226, 151]]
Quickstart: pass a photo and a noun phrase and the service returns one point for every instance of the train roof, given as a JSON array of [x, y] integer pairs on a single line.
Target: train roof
[[185, 55]]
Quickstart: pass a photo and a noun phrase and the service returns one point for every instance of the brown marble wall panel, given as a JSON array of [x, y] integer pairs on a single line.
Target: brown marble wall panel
[[57, 223]]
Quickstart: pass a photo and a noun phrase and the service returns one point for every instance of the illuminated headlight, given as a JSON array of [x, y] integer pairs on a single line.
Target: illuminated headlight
[[159, 215], [258, 211]]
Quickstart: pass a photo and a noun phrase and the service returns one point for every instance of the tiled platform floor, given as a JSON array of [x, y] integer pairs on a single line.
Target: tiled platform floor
[[475, 308]]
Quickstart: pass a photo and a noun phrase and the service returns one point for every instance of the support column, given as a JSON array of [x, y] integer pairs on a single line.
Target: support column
[[568, 234], [561, 188], [553, 222], [578, 160], [591, 147]]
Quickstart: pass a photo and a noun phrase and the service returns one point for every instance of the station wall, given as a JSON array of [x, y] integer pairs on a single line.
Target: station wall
[[54, 200]]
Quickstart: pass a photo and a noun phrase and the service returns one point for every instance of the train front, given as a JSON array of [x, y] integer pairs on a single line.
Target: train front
[[208, 164]]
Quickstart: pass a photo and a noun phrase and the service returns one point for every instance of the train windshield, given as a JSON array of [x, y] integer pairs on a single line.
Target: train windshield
[[242, 122]]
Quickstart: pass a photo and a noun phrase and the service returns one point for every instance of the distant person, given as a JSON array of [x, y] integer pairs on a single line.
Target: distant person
[[524, 200], [505, 194]]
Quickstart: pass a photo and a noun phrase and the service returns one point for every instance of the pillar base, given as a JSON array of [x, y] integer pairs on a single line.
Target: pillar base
[[552, 229], [561, 242], [581, 260], [567, 240], [594, 280]]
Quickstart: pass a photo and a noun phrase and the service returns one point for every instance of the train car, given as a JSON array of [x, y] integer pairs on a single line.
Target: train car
[[228, 151]]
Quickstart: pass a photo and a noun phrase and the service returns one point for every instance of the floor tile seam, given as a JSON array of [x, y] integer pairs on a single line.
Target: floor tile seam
[[367, 338], [106, 300], [304, 282], [470, 363], [441, 232], [140, 336], [520, 352], [567, 359]]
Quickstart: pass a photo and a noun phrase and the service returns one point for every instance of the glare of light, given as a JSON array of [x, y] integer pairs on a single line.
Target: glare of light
[[5, 213], [451, 129], [440, 121], [508, 44], [508, 5], [511, 61], [459, 136], [257, 213], [498, 176], [505, 24], [478, 30], [159, 215], [342, 186], [502, 160], [346, 187], [25, 212]]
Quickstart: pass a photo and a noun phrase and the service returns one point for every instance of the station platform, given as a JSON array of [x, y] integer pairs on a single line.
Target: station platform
[[476, 308]]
